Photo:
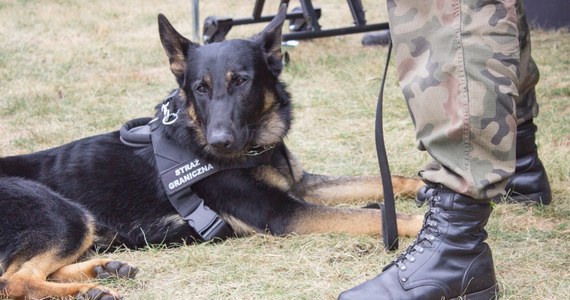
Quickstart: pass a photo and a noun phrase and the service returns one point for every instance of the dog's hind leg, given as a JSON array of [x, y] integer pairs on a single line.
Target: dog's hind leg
[[28, 281], [41, 232], [332, 190]]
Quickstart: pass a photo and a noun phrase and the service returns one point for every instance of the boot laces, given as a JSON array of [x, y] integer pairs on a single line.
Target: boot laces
[[426, 236]]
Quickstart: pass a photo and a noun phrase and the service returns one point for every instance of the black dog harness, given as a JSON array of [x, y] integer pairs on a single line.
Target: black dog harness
[[179, 169]]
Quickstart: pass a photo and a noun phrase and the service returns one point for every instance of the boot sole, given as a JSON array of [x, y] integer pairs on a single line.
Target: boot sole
[[491, 293]]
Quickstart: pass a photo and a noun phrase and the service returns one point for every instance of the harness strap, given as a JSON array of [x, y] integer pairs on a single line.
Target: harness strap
[[389, 224], [178, 170], [207, 224]]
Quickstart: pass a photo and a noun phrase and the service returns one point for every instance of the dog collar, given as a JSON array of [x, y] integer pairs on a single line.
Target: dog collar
[[255, 151]]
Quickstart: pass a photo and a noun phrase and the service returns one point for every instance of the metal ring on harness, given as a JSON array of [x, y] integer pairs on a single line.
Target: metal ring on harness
[[169, 118]]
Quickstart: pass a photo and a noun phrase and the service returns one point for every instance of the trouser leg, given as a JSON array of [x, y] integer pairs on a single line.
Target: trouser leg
[[457, 64], [526, 104], [530, 182]]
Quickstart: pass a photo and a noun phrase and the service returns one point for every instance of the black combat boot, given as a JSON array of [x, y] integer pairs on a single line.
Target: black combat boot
[[529, 183], [448, 260]]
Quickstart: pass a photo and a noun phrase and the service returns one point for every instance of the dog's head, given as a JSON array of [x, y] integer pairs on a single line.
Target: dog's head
[[229, 93]]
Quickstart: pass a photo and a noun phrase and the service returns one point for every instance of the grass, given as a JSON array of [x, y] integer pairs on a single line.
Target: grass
[[71, 69]]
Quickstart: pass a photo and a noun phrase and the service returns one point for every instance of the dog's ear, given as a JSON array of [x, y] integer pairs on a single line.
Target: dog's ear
[[176, 46], [270, 39]]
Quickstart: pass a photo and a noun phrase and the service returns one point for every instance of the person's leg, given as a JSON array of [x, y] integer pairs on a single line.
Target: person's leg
[[457, 64], [530, 181]]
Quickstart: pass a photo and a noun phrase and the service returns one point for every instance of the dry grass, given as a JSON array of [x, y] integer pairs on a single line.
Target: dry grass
[[70, 69]]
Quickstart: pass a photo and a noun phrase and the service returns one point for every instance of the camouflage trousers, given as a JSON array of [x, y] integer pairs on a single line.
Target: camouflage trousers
[[468, 77]]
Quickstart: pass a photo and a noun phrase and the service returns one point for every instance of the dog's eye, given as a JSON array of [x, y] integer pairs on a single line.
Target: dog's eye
[[202, 89], [240, 81]]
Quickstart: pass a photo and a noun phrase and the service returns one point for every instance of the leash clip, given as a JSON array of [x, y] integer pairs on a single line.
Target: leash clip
[[169, 118]]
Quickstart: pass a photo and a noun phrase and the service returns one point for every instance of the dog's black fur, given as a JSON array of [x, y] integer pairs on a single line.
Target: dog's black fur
[[97, 191]]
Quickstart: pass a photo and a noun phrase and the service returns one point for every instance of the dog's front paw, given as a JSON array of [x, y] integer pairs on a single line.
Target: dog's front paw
[[98, 293], [117, 269]]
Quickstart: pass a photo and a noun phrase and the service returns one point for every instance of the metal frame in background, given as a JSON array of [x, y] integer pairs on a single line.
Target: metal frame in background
[[216, 28]]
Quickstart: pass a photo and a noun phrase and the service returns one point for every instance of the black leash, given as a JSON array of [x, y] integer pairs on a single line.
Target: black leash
[[388, 209]]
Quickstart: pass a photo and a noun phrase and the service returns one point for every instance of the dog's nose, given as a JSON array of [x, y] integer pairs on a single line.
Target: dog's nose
[[221, 141]]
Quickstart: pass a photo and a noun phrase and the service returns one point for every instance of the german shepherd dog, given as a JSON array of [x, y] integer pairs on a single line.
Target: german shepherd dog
[[99, 192]]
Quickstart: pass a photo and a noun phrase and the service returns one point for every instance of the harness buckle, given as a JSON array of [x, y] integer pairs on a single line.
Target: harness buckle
[[206, 222]]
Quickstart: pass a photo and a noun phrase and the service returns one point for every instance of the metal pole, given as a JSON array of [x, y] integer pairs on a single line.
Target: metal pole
[[196, 21]]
